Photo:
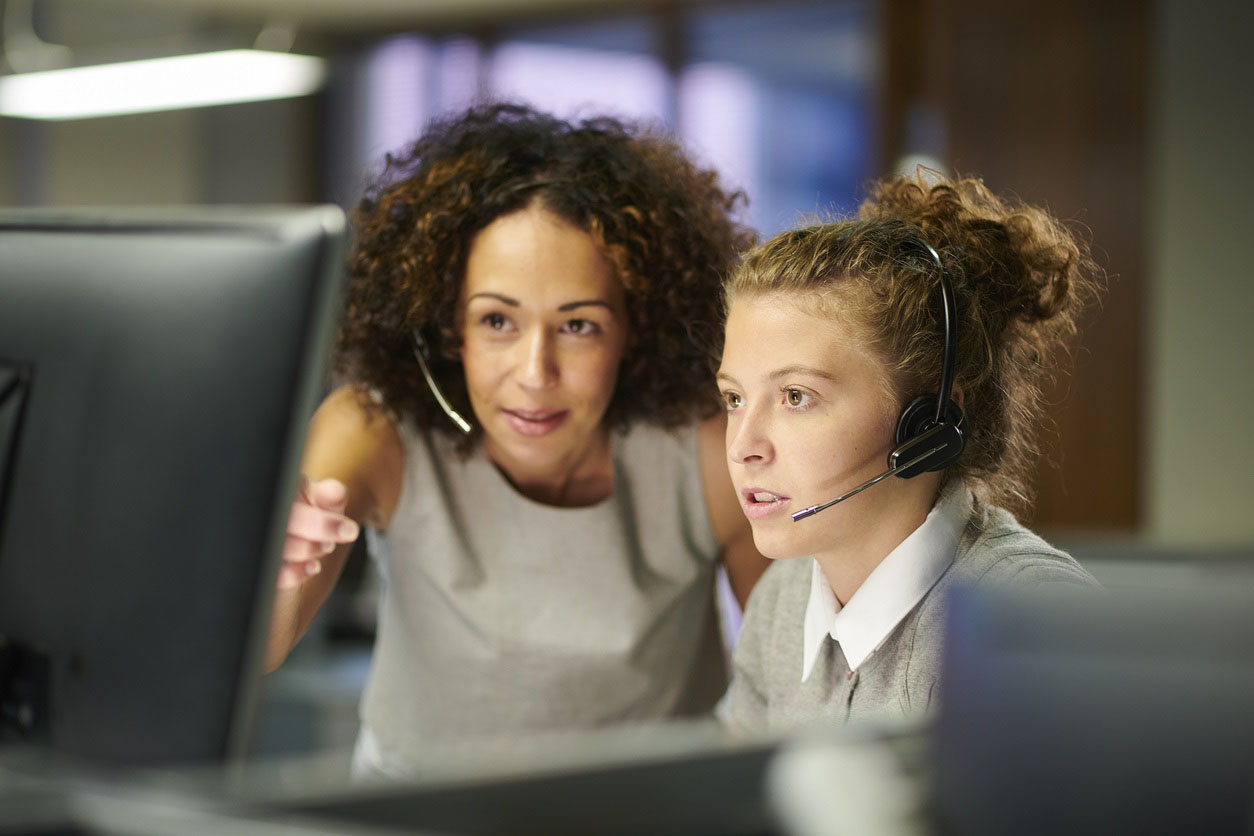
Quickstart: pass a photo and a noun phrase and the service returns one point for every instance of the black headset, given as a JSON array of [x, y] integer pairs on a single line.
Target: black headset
[[930, 432]]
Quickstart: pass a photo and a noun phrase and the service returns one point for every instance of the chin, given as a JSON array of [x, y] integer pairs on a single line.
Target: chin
[[776, 547]]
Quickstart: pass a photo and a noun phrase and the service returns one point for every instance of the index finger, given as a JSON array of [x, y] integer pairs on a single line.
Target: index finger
[[319, 525]]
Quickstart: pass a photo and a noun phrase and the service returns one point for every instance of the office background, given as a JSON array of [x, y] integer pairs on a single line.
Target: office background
[[1130, 117]]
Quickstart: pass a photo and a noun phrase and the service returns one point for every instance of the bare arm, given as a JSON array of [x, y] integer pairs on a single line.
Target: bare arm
[[741, 559], [352, 462]]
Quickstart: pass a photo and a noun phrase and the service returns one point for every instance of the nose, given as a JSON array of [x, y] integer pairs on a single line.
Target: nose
[[537, 363], [748, 437]]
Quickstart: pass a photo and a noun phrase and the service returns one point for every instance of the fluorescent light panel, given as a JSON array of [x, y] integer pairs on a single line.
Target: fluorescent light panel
[[198, 80]]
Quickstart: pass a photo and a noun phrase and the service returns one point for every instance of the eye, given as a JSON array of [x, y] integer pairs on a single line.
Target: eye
[[797, 398], [581, 327], [495, 321], [731, 400]]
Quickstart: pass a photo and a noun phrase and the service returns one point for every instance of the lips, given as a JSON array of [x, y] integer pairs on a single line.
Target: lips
[[535, 422], [759, 503]]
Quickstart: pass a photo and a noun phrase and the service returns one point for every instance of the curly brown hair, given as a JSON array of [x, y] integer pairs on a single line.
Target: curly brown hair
[[1020, 278], [665, 225]]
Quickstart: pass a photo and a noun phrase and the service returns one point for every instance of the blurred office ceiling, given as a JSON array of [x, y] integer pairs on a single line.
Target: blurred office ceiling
[[98, 31], [389, 13], [788, 43], [333, 19]]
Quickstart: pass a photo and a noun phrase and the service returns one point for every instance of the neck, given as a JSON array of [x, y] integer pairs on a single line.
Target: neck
[[583, 478], [875, 526]]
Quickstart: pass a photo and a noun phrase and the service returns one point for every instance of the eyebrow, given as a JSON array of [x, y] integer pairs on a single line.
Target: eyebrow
[[786, 371], [568, 306]]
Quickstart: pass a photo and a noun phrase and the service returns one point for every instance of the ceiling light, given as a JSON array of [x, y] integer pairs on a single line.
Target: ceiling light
[[198, 80]]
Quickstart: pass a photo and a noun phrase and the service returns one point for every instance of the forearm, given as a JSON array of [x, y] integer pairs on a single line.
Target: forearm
[[295, 608], [284, 628]]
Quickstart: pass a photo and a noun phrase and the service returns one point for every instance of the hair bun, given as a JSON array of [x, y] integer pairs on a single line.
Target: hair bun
[[1016, 261], [1022, 279]]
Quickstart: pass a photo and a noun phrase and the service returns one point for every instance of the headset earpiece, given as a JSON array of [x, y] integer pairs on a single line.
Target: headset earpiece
[[920, 435], [920, 416]]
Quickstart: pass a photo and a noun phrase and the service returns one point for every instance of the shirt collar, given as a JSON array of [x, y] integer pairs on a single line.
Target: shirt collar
[[892, 589]]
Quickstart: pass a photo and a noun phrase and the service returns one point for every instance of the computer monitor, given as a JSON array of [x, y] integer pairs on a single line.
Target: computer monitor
[[681, 777], [157, 370], [1124, 711]]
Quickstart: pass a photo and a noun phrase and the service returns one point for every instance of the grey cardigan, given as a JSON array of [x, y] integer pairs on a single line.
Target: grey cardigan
[[899, 679]]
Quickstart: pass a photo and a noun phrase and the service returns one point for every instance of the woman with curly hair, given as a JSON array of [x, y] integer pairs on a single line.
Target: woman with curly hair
[[527, 416], [893, 363]]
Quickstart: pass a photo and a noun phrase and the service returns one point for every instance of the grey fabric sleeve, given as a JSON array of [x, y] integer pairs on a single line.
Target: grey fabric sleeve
[[1028, 571], [746, 696]]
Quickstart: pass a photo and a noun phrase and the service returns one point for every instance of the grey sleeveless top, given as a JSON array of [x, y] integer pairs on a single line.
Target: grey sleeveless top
[[499, 614]]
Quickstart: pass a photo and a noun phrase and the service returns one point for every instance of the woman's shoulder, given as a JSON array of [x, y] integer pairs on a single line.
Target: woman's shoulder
[[353, 409], [997, 548], [352, 438]]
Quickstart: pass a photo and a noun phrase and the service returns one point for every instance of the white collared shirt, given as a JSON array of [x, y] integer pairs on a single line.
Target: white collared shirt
[[892, 589]]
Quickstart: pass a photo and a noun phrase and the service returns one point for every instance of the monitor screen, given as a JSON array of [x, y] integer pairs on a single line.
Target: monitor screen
[[157, 369], [1124, 711]]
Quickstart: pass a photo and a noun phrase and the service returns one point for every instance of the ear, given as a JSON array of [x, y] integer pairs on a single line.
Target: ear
[[957, 396]]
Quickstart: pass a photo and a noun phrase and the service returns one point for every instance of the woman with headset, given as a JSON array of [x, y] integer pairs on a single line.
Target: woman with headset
[[882, 378], [527, 417]]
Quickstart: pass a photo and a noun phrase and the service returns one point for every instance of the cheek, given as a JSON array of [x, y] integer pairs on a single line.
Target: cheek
[[853, 442], [874, 438], [596, 381], [479, 365], [595, 373]]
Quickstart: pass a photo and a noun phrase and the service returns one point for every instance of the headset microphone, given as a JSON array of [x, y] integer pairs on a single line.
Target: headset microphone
[[814, 509], [930, 432], [420, 353]]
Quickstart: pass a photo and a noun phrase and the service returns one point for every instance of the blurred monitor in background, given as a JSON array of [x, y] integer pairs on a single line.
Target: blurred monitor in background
[[1126, 712], [157, 369]]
